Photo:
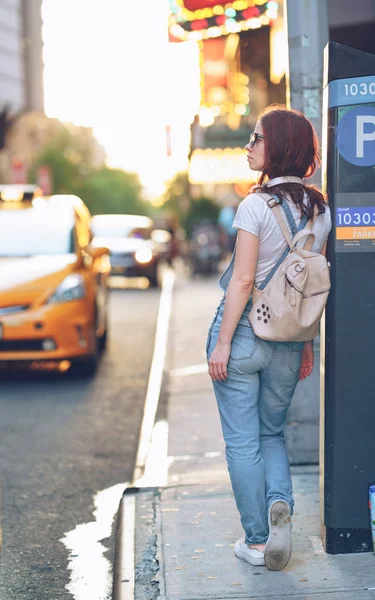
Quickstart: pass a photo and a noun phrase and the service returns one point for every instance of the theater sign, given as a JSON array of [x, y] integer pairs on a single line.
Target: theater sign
[[205, 19]]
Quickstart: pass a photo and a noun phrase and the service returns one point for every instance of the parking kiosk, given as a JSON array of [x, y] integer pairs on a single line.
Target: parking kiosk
[[347, 464]]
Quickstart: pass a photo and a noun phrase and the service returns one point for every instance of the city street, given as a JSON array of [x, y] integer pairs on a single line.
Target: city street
[[62, 440], [186, 238]]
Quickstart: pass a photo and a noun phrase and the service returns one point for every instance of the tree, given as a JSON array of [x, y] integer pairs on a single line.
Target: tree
[[189, 211], [201, 209], [74, 170], [70, 159], [113, 191], [177, 197]]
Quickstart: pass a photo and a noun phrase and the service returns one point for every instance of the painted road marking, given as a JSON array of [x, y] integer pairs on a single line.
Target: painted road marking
[[90, 570], [192, 370], [156, 469], [151, 466], [156, 373]]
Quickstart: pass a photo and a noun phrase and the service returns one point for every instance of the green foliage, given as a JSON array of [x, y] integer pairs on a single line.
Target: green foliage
[[177, 195], [202, 209], [71, 159], [62, 157], [189, 211], [113, 191]]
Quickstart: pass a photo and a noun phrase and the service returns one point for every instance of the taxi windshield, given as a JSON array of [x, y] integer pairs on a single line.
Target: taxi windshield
[[33, 232]]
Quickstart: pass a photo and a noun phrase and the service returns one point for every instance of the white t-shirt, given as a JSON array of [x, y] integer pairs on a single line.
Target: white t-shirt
[[253, 215]]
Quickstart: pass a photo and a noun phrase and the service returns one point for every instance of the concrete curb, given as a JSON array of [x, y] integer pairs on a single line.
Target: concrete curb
[[124, 566], [160, 577]]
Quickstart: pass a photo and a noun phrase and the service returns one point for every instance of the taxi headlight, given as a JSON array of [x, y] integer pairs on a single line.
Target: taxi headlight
[[72, 288], [143, 256]]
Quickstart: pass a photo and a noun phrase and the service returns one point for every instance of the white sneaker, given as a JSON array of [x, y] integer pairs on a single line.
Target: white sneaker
[[279, 544], [253, 556]]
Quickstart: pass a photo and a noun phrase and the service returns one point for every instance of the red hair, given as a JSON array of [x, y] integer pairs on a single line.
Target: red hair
[[291, 148]]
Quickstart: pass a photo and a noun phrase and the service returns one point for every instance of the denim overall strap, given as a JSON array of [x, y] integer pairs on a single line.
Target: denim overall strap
[[294, 230], [226, 276]]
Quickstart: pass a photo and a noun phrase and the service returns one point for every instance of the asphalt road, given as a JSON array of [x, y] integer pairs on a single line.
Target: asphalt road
[[62, 440]]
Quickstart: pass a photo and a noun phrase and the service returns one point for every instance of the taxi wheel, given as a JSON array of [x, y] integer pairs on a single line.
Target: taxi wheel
[[89, 364], [103, 339]]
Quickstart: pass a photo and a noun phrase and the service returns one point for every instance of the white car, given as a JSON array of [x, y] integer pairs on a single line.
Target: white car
[[136, 248]]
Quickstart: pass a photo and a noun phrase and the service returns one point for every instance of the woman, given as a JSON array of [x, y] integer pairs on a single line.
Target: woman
[[254, 380]]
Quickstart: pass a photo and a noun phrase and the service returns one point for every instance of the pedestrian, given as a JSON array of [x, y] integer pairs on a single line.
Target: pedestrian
[[254, 380], [225, 224]]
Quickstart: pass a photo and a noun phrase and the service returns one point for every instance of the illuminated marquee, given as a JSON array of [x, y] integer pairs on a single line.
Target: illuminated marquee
[[204, 19], [193, 5], [220, 166]]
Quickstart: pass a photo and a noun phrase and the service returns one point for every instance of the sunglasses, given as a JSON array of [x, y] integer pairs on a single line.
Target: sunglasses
[[254, 138]]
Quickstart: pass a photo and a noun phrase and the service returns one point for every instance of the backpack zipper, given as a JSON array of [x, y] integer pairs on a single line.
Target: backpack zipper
[[316, 294], [308, 295]]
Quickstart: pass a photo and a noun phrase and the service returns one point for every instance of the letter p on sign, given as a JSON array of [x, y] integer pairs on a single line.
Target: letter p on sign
[[355, 135], [362, 137]]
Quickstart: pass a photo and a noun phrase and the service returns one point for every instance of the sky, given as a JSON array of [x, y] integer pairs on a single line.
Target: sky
[[109, 66]]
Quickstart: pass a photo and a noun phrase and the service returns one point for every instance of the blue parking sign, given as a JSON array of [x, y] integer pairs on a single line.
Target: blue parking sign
[[355, 136]]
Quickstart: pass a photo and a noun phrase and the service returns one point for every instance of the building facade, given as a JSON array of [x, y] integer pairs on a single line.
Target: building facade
[[244, 59], [236, 83], [352, 23], [21, 78], [21, 56], [12, 74], [33, 54]]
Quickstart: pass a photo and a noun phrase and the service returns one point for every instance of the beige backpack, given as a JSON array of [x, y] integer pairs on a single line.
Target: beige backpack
[[291, 304]]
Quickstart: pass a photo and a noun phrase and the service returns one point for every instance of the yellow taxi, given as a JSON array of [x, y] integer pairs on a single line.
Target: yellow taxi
[[53, 283]]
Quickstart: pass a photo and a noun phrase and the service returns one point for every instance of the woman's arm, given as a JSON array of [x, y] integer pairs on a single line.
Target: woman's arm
[[238, 294]]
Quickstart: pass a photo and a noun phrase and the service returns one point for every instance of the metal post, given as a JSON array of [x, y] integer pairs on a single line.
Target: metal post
[[306, 25], [307, 29]]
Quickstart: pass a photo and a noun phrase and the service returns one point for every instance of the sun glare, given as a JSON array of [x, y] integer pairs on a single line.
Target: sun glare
[[111, 68]]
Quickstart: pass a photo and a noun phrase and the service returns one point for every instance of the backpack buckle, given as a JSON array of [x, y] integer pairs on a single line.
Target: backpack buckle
[[273, 202]]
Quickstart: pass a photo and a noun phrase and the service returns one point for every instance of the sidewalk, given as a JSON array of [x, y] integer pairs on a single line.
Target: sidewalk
[[191, 525]]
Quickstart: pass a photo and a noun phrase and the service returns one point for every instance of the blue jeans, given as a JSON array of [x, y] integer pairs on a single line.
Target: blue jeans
[[253, 403]]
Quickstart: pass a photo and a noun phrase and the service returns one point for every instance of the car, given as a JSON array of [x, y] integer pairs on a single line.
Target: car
[[53, 283], [136, 248]]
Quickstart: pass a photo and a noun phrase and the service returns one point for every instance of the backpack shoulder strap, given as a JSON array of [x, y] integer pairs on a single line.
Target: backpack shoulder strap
[[274, 205], [301, 226], [278, 210], [310, 240], [307, 233]]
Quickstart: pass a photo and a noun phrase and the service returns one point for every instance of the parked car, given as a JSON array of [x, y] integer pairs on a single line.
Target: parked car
[[53, 282], [136, 248]]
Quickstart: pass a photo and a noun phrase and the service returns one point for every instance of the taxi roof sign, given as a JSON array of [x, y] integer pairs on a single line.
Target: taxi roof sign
[[19, 194]]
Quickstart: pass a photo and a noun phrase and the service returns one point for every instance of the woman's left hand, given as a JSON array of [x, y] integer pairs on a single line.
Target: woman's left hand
[[217, 365], [307, 362]]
